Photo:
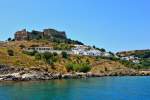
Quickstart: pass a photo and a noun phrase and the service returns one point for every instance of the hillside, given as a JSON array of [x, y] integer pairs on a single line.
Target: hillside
[[138, 53], [20, 59], [143, 57], [59, 54]]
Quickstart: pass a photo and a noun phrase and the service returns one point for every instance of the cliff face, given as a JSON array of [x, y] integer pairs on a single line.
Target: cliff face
[[48, 34]]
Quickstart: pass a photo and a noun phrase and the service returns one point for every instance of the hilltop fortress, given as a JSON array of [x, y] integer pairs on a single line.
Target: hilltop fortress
[[48, 34]]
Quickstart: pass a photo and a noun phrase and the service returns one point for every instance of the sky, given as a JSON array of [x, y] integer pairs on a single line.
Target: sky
[[115, 25]]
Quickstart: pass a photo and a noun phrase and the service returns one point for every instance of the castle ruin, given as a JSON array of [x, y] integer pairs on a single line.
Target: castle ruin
[[48, 34]]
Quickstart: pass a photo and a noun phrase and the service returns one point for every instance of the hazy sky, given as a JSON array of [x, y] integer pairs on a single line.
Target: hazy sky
[[112, 24]]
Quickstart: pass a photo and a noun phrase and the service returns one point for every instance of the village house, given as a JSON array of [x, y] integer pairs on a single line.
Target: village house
[[106, 54], [85, 50], [131, 58], [136, 61], [77, 50], [125, 58], [94, 53]]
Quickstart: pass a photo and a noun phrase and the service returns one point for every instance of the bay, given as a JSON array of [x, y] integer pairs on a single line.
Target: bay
[[103, 88]]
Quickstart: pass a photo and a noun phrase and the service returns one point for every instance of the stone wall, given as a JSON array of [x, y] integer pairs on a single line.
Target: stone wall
[[22, 35], [48, 34]]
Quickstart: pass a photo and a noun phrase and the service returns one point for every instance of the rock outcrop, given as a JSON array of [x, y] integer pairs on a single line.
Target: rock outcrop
[[24, 74]]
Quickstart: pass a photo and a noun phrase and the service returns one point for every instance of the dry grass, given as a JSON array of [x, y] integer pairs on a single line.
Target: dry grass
[[106, 66], [22, 60]]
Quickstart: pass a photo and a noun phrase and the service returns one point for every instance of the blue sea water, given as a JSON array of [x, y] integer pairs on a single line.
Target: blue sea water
[[103, 88]]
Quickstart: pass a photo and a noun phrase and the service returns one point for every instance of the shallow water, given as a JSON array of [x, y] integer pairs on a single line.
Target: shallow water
[[103, 88]]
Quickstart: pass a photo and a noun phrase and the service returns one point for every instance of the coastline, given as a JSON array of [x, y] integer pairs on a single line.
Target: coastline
[[24, 74]]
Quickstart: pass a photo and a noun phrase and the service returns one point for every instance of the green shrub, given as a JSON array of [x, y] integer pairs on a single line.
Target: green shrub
[[38, 56], [30, 53], [64, 55], [82, 67], [55, 54], [47, 55], [49, 58], [10, 52], [69, 67], [61, 46], [101, 49], [50, 61], [85, 68]]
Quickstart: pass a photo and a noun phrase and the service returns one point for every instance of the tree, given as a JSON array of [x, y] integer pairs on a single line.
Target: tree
[[103, 50], [64, 55], [13, 40], [10, 52], [85, 68], [111, 53], [49, 58], [55, 54], [9, 39], [50, 61], [47, 55], [38, 56], [69, 67], [81, 67], [94, 46], [30, 53]]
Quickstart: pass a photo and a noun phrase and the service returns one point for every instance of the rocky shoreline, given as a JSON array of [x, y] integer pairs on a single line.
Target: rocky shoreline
[[24, 74]]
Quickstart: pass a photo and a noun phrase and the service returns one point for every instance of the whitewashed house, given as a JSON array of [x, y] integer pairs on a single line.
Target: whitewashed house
[[106, 54], [79, 50], [136, 61], [82, 47], [85, 50], [94, 52], [131, 58], [125, 58]]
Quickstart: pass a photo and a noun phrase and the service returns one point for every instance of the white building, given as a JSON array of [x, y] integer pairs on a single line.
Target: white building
[[45, 49], [81, 47], [125, 58], [136, 61], [131, 58], [79, 50], [106, 54], [94, 53], [85, 50], [39, 49]]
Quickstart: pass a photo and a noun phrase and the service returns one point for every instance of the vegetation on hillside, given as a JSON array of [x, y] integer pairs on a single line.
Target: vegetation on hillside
[[13, 54], [137, 53], [143, 55]]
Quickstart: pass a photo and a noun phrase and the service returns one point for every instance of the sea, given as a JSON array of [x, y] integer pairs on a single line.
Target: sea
[[102, 88]]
